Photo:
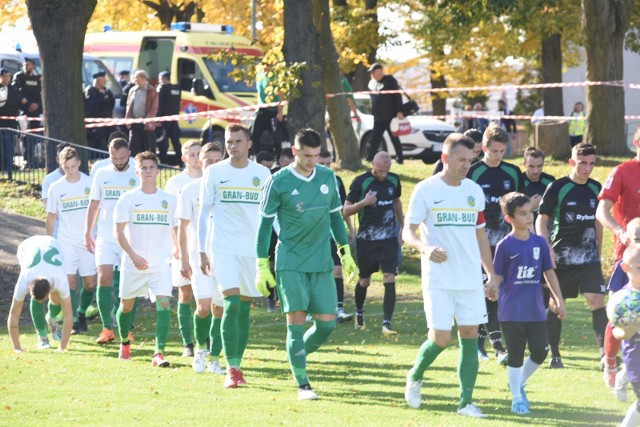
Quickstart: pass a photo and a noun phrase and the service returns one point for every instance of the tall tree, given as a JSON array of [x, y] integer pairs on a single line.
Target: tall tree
[[605, 24]]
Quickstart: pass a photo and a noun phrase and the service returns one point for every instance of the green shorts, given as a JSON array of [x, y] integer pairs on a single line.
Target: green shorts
[[309, 292]]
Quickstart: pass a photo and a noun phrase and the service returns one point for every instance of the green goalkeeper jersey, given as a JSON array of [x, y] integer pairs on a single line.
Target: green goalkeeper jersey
[[302, 206]]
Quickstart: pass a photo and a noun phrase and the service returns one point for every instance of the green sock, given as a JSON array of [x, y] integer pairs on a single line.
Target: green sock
[[467, 369], [124, 324], [85, 300], [230, 330], [296, 354], [54, 310], [317, 335], [163, 322], [428, 352], [115, 283], [215, 338], [74, 303], [201, 327], [243, 327], [37, 315], [134, 310], [105, 305], [185, 323]]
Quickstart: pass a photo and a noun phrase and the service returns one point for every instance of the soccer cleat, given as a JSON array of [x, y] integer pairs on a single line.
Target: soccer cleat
[[215, 368], [341, 316], [620, 387], [231, 381], [482, 354], [556, 363], [125, 352], [305, 392], [359, 322], [199, 363], [75, 329], [523, 395], [43, 343], [54, 328], [241, 380], [271, 305], [82, 323], [471, 411], [105, 336], [159, 361], [387, 330], [188, 351], [502, 357], [412, 391], [520, 408], [92, 312]]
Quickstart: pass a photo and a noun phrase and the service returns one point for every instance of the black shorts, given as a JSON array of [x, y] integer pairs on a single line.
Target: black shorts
[[518, 335], [375, 255], [334, 253], [587, 279]]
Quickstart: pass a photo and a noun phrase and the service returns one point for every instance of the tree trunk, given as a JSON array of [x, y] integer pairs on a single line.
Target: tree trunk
[[438, 100], [605, 23], [302, 44], [346, 143], [552, 73], [164, 12], [59, 27], [361, 76]]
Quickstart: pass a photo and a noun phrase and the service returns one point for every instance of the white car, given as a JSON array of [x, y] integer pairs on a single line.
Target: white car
[[424, 142]]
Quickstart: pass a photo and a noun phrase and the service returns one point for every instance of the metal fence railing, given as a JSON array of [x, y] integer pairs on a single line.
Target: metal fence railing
[[27, 157]]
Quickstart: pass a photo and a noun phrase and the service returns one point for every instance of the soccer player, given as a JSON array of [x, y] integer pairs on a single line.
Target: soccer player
[[208, 297], [534, 181], [107, 161], [43, 276], [304, 197], [569, 203], [375, 197], [52, 176], [449, 211], [232, 190], [108, 185], [497, 178], [67, 202], [284, 160], [174, 186], [145, 221], [619, 204], [474, 134], [521, 260], [341, 315]]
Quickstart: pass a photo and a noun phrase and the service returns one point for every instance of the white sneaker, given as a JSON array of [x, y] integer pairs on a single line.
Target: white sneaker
[[43, 343], [215, 368], [199, 362], [471, 411], [412, 391], [342, 316], [307, 394], [54, 328], [620, 386]]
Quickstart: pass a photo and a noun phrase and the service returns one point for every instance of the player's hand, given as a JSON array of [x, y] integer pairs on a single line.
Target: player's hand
[[139, 262], [89, 243], [349, 267], [185, 269], [561, 310], [370, 198], [491, 289], [436, 254], [264, 277], [176, 253], [535, 201], [624, 333], [205, 264]]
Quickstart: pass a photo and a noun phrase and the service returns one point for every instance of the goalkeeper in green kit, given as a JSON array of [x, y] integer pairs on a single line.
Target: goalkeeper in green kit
[[304, 199]]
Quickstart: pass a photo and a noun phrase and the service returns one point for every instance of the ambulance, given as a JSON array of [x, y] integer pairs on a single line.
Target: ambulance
[[185, 52]]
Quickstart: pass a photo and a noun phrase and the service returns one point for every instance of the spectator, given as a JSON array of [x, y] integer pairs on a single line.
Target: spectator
[[169, 105], [285, 159], [269, 119], [480, 123], [576, 127], [9, 100], [265, 158], [98, 103], [29, 87], [123, 78], [142, 102]]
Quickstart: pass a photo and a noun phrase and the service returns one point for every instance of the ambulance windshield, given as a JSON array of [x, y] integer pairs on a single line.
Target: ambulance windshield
[[220, 72]]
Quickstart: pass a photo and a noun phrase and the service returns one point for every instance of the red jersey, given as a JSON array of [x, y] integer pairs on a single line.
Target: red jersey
[[623, 189]]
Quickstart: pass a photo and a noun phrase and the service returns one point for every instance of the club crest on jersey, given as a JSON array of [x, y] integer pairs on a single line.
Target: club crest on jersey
[[255, 181], [570, 216], [165, 204], [471, 201], [87, 190], [299, 207], [506, 184], [592, 203], [390, 190], [536, 253], [132, 182], [324, 189]]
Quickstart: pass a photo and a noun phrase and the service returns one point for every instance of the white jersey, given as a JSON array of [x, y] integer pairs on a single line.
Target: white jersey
[[39, 256], [235, 195], [448, 218], [49, 179], [150, 220], [107, 162], [69, 201], [108, 185], [176, 183], [189, 208]]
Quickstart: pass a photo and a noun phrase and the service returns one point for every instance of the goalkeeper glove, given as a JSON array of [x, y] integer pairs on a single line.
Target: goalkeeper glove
[[349, 267], [264, 277]]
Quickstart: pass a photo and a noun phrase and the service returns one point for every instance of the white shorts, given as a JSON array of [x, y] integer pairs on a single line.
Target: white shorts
[[140, 284], [176, 277], [108, 252], [442, 306], [205, 286], [77, 260], [236, 271]]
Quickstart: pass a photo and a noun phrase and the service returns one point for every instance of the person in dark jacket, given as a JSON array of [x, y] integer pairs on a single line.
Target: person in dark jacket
[[384, 107], [29, 88], [9, 106], [98, 103], [168, 105]]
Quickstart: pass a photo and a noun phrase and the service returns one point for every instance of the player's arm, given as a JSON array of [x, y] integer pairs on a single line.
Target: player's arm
[[51, 222], [491, 287], [397, 209], [185, 268], [139, 262], [554, 287], [542, 224], [599, 233], [89, 224], [351, 208], [410, 237], [604, 217], [67, 323], [13, 324], [203, 232]]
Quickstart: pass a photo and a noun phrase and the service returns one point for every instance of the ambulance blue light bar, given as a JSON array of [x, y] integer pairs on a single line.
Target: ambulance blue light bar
[[197, 26]]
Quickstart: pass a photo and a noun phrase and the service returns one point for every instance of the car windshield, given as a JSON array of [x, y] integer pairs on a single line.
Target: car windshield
[[90, 66], [363, 105], [220, 72]]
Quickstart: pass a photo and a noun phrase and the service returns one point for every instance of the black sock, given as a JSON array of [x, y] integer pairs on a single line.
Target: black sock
[[272, 294], [599, 323], [340, 290], [554, 329], [361, 295], [389, 301], [482, 335]]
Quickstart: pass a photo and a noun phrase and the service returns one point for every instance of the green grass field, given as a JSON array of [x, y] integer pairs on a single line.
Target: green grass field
[[359, 375]]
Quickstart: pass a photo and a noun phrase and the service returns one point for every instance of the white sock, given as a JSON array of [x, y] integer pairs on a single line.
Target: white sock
[[632, 419], [528, 368], [513, 377]]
